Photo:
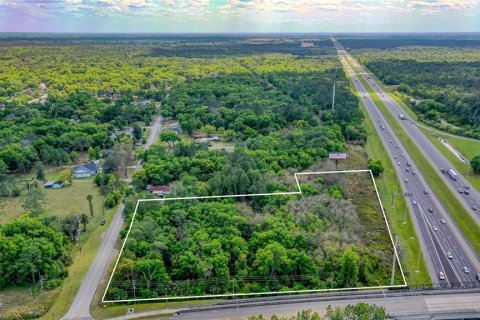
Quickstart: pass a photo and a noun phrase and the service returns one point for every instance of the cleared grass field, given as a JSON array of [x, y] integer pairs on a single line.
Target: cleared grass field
[[462, 218]]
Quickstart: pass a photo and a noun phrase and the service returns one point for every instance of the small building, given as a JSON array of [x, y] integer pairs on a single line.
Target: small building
[[158, 191], [53, 185], [85, 170], [307, 44]]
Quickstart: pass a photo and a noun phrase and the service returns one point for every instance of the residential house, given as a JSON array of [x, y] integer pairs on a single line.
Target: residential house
[[86, 170], [159, 191]]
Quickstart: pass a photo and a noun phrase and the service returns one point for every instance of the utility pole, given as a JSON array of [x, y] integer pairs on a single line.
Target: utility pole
[[394, 263], [333, 94]]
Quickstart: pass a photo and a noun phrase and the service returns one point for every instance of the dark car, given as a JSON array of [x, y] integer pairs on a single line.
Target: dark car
[[102, 222]]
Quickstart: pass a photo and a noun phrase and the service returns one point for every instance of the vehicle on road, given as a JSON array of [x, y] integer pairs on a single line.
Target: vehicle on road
[[425, 191], [466, 270], [406, 180], [435, 229], [460, 190], [430, 209], [407, 169], [452, 174], [441, 275], [478, 276], [449, 255], [409, 164], [443, 221], [474, 207], [467, 186], [442, 170], [414, 173], [398, 162], [414, 202], [402, 116], [466, 192]]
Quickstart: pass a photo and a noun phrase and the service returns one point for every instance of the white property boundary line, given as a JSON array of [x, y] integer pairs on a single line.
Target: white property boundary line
[[259, 293]]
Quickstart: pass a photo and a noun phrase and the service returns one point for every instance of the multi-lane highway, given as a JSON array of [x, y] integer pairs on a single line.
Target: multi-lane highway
[[468, 196], [447, 251]]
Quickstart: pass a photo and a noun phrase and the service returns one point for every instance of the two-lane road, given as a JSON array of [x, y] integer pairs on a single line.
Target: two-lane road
[[80, 308]]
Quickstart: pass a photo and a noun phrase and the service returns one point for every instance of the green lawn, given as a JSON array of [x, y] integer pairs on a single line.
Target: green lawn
[[462, 218], [410, 254], [58, 202]]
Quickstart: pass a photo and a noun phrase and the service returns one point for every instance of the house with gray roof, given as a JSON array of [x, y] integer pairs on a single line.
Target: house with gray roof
[[85, 170]]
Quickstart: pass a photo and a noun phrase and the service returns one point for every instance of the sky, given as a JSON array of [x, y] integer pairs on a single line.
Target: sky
[[263, 16]]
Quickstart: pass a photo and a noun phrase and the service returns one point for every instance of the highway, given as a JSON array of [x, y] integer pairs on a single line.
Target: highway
[[468, 196], [437, 232], [415, 305], [80, 308]]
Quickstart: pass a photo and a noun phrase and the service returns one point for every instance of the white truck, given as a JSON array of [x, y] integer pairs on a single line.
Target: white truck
[[402, 116], [452, 174]]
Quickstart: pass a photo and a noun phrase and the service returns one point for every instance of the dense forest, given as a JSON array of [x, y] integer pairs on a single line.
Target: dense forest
[[269, 102], [444, 84], [277, 112]]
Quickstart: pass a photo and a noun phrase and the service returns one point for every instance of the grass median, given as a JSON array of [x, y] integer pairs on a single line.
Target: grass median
[[411, 256], [467, 147], [462, 218]]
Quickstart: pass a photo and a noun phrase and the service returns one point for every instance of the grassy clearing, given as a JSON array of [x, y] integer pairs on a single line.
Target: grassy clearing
[[55, 201], [462, 218], [410, 253]]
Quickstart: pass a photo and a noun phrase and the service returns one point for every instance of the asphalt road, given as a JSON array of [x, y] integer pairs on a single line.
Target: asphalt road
[[80, 308], [396, 306], [437, 233], [434, 156]]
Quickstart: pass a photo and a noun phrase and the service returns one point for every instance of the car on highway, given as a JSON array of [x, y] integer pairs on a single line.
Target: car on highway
[[435, 229], [442, 170], [466, 270], [398, 162], [425, 191], [414, 202], [402, 154], [397, 146], [408, 164], [443, 221], [460, 190], [478, 276], [467, 186], [430, 209], [441, 275], [406, 180], [407, 169], [466, 192], [414, 173], [449, 255], [391, 141], [474, 207], [394, 157]]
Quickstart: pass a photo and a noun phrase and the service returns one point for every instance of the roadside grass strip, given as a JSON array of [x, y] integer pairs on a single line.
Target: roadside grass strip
[[462, 218]]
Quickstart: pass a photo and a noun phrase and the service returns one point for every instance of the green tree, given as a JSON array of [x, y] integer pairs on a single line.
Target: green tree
[[40, 171], [170, 137], [33, 201], [90, 205], [66, 175], [272, 259], [475, 164], [208, 130], [84, 221], [73, 156], [137, 131], [376, 166], [349, 269], [360, 311], [188, 124], [151, 270]]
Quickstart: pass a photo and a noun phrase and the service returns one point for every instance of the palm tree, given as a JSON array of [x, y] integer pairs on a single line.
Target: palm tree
[[89, 198], [84, 221]]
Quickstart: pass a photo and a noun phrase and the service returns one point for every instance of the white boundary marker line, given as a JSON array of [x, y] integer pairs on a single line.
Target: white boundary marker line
[[296, 174]]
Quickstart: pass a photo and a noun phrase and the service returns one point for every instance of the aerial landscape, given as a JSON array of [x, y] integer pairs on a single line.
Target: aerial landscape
[[239, 159]]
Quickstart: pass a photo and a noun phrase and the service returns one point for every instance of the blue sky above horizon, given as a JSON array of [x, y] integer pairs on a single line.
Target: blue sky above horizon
[[239, 15]]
